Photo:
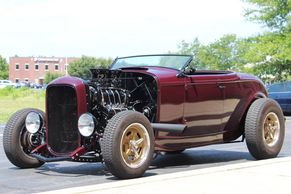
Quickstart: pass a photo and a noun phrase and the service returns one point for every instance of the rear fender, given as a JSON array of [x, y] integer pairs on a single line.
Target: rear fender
[[251, 99], [235, 128]]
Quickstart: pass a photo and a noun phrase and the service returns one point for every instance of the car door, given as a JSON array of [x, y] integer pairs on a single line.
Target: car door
[[203, 107], [197, 102]]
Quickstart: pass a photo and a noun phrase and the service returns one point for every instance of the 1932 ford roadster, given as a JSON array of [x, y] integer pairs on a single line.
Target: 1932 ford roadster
[[142, 105]]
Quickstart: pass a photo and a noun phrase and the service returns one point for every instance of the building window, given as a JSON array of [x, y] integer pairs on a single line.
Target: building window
[[26, 80], [56, 67], [16, 80], [17, 66], [36, 67], [26, 66], [46, 67]]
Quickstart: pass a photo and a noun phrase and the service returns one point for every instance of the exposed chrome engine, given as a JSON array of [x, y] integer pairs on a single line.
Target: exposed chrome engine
[[112, 91], [113, 98]]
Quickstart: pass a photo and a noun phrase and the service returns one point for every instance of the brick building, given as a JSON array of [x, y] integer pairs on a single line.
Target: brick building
[[33, 69]]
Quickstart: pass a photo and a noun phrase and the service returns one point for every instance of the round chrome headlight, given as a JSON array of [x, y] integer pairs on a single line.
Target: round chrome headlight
[[86, 124], [33, 122]]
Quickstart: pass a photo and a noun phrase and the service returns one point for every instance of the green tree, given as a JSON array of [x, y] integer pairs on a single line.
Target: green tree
[[51, 76], [266, 55], [269, 55], [275, 14], [81, 68], [192, 48], [3, 68], [270, 52], [219, 55], [222, 54]]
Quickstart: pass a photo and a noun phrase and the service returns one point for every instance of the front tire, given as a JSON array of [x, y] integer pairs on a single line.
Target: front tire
[[128, 144], [264, 128], [16, 140]]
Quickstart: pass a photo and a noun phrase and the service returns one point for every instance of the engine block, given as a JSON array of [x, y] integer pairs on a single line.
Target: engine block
[[115, 98]]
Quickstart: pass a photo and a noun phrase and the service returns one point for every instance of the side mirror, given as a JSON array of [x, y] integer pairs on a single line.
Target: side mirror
[[185, 72], [181, 74], [190, 71]]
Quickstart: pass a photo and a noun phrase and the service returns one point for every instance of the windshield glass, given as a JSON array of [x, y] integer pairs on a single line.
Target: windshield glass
[[169, 61]]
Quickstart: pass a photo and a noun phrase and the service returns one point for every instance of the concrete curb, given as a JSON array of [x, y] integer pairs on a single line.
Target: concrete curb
[[183, 181]]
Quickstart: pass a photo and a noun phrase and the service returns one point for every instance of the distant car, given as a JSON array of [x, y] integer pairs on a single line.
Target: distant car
[[143, 105], [21, 84], [281, 92], [36, 85], [5, 83]]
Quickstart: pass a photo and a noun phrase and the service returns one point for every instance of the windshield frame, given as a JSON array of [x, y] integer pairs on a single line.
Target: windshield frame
[[153, 55]]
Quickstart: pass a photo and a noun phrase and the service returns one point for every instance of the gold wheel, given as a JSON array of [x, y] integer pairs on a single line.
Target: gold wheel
[[271, 129], [135, 145]]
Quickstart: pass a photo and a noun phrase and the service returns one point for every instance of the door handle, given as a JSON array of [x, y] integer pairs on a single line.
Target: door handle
[[221, 86]]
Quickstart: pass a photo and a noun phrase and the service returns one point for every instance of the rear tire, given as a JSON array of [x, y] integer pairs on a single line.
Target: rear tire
[[128, 144], [15, 140], [264, 128]]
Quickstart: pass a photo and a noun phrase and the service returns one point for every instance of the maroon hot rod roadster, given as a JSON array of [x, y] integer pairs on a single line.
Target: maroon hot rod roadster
[[143, 105]]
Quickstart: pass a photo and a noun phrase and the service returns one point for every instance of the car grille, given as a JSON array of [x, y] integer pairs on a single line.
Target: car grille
[[62, 119]]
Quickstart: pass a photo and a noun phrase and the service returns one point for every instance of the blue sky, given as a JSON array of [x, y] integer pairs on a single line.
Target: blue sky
[[115, 28]]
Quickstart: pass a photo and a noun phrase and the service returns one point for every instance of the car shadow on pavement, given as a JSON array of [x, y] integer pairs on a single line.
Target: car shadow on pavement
[[73, 169], [196, 158]]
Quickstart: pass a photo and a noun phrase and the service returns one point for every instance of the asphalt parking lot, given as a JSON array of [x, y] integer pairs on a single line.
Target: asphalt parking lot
[[60, 175]]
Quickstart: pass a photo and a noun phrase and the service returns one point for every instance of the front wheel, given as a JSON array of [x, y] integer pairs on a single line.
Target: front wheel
[[128, 144], [264, 128], [18, 142]]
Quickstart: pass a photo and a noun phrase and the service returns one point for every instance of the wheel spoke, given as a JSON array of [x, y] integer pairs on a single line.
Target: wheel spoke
[[130, 136], [271, 134], [139, 141], [134, 135], [136, 155], [127, 152]]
